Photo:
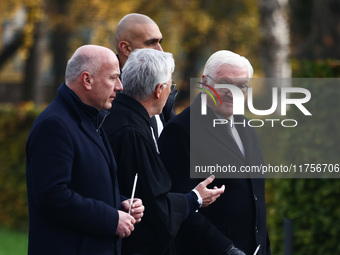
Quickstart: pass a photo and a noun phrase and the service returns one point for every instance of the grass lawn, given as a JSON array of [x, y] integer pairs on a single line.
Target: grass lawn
[[13, 242]]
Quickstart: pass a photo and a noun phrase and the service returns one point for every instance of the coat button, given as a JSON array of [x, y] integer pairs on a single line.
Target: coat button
[[256, 230], [255, 197]]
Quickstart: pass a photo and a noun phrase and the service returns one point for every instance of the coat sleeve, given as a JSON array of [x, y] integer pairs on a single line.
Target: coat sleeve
[[197, 232], [50, 158], [135, 153]]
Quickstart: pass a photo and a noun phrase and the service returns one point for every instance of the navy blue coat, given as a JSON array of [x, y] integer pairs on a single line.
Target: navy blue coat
[[71, 181]]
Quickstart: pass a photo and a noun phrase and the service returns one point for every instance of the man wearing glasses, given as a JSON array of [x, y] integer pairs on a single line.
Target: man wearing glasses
[[190, 139], [147, 79]]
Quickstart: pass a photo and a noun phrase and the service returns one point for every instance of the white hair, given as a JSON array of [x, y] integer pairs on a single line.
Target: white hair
[[144, 70], [223, 57]]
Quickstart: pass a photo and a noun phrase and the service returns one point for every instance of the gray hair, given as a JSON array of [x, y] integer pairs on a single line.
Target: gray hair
[[144, 70], [223, 57], [79, 63]]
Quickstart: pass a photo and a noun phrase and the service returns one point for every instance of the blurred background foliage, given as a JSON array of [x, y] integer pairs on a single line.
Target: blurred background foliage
[[15, 124], [281, 38], [311, 204]]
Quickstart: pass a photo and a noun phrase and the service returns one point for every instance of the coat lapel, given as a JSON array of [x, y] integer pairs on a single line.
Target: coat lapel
[[219, 133], [247, 135], [89, 129], [230, 143], [75, 104], [243, 132]]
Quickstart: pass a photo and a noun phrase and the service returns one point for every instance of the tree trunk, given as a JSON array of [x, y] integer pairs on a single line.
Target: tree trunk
[[275, 38], [60, 40], [275, 49], [32, 87]]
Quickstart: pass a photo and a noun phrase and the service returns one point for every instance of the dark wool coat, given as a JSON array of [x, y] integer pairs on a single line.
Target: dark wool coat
[[72, 187], [240, 213]]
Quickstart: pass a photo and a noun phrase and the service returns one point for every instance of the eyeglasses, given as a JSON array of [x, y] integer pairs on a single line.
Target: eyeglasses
[[172, 86], [242, 87]]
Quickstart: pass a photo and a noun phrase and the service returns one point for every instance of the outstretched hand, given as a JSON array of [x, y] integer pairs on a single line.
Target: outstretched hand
[[209, 195]]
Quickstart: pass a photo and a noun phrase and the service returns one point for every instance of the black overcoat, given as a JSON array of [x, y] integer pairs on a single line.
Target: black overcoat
[[240, 213], [128, 128], [72, 187]]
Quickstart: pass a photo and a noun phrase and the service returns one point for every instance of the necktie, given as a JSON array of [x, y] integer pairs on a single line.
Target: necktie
[[228, 126], [236, 140]]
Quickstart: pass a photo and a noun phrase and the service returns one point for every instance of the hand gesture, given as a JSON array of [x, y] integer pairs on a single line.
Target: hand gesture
[[209, 195]]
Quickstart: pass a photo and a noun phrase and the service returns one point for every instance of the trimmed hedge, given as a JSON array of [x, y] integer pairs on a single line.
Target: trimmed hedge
[[15, 125]]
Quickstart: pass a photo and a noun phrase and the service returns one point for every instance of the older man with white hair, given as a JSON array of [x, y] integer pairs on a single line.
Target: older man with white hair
[[147, 79], [241, 212]]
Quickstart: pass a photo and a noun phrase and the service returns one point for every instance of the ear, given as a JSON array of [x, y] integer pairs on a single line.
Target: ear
[[86, 80], [158, 90], [204, 79], [125, 48]]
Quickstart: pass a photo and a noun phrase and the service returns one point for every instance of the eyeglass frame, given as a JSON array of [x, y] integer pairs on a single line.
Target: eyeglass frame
[[227, 90], [172, 86]]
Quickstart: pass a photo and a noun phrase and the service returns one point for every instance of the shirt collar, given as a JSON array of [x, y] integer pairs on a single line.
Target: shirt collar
[[97, 117]]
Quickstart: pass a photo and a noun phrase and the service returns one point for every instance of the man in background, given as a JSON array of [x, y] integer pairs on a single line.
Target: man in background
[[74, 202], [241, 212], [138, 31]]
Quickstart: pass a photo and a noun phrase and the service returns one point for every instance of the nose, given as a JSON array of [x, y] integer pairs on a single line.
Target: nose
[[159, 47], [119, 85]]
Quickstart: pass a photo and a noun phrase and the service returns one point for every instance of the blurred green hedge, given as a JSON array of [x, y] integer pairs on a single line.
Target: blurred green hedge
[[313, 205], [15, 124]]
